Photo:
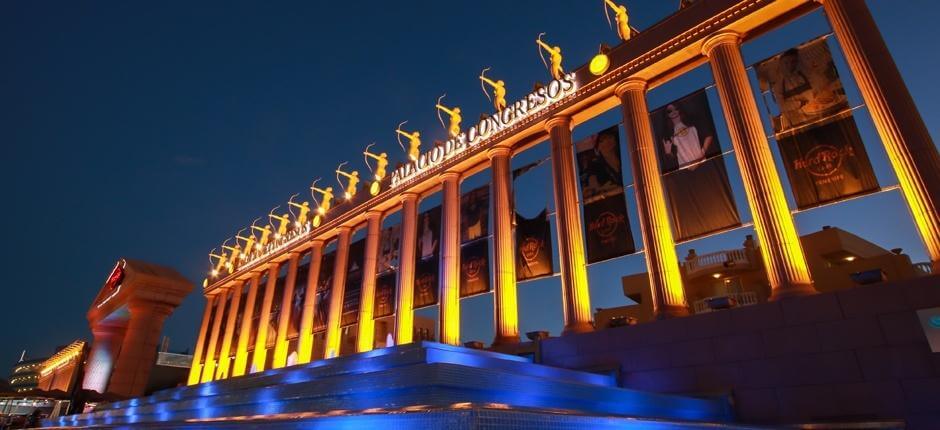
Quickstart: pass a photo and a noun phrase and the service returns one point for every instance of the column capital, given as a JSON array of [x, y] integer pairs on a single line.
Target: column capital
[[449, 176], [498, 151], [408, 196], [723, 37], [556, 121], [631, 84], [317, 242], [373, 214]]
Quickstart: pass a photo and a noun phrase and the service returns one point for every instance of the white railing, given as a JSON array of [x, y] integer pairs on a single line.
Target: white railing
[[738, 299], [714, 260], [923, 268]]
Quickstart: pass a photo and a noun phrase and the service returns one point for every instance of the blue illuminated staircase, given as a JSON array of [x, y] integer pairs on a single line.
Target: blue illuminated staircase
[[421, 385]]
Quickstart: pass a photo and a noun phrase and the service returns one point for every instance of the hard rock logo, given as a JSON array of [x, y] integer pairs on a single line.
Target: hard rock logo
[[606, 224], [823, 160]]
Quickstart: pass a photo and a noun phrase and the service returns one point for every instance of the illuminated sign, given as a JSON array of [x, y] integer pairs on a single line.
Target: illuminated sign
[[113, 285], [518, 111], [280, 242]]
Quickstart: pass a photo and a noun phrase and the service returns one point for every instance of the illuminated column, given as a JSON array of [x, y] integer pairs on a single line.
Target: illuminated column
[[195, 370], [504, 253], [903, 133], [107, 344], [450, 260], [139, 349], [208, 370], [280, 344], [305, 346], [241, 350], [366, 338], [574, 281], [261, 339], [224, 359], [660, 248], [334, 317], [779, 242], [404, 314]]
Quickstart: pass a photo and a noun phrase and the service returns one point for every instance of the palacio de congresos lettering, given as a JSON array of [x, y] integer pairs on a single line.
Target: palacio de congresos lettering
[[512, 114]]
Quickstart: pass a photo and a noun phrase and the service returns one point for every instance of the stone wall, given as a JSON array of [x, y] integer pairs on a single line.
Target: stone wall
[[855, 355]]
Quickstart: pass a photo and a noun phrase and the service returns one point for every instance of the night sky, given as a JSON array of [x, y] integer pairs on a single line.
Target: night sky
[[155, 130]]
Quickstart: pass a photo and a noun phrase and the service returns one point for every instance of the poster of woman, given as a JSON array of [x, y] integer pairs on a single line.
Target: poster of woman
[[599, 166], [819, 142], [694, 174], [474, 214]]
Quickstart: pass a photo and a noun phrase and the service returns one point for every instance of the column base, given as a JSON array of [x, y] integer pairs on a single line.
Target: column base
[[578, 327], [505, 340], [790, 291], [667, 312]]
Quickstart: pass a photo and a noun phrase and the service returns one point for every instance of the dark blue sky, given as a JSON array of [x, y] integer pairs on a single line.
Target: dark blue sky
[[154, 130]]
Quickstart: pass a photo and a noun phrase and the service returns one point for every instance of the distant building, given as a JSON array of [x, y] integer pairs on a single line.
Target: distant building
[[64, 369], [837, 259], [25, 374]]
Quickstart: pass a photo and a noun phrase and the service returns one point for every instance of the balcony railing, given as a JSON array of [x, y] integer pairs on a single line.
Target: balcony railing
[[715, 260], [731, 300], [923, 268]]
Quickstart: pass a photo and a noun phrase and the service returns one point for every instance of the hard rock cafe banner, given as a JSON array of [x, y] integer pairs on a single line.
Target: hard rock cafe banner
[[224, 325], [694, 174], [297, 301], [242, 302], [605, 207], [275, 315], [353, 290], [385, 295], [324, 288], [474, 268], [821, 148], [428, 256], [533, 247], [474, 214], [256, 312]]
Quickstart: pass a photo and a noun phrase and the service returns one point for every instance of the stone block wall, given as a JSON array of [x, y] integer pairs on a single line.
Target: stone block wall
[[851, 355]]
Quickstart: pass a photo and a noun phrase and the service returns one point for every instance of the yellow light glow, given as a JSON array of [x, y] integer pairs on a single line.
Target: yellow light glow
[[599, 64], [317, 220], [716, 275], [375, 188], [850, 258]]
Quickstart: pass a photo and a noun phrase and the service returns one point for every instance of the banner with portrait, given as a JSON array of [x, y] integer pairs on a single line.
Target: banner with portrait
[[533, 247], [821, 147], [297, 303], [224, 323], [240, 313], [389, 246], [694, 174], [474, 268], [256, 311], [605, 207], [474, 214], [426, 282], [427, 278], [324, 288], [385, 286], [275, 316], [353, 289]]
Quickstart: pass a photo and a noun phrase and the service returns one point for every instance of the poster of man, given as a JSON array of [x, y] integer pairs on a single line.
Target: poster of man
[[474, 268], [599, 165], [694, 174], [429, 233], [389, 245], [823, 152], [474, 214], [533, 247], [605, 207]]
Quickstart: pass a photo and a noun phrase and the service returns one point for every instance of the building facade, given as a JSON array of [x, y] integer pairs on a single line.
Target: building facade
[[287, 298]]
